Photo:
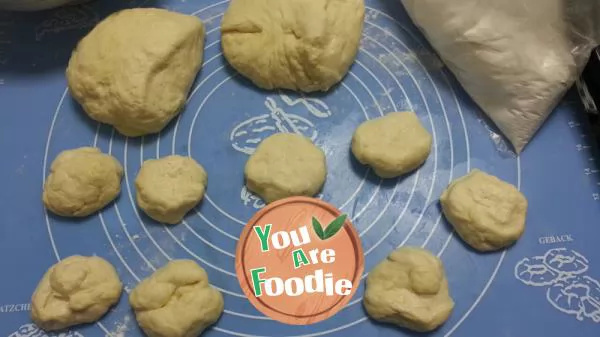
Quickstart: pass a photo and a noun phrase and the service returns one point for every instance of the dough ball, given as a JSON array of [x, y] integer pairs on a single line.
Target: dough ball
[[293, 44], [135, 68], [409, 288], [488, 213], [285, 165], [82, 181], [76, 290], [176, 301], [169, 187], [392, 145]]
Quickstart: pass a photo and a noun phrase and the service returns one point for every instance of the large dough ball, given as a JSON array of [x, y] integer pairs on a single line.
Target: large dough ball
[[285, 165], [392, 145], [169, 187], [488, 213], [76, 290], [176, 301], [293, 44], [81, 182], [409, 288], [135, 68]]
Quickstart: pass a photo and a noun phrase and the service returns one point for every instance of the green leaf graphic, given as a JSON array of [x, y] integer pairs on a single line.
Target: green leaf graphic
[[318, 229], [335, 226]]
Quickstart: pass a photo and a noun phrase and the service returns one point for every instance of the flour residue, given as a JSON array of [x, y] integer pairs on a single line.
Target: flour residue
[[121, 327]]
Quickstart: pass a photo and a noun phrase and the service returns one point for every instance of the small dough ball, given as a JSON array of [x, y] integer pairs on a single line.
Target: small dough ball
[[76, 290], [285, 165], [488, 213], [293, 44], [82, 181], [169, 187], [176, 301], [135, 68], [409, 288], [392, 145]]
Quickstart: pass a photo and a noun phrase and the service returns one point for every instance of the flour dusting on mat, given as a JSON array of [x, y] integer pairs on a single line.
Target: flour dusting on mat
[[122, 327]]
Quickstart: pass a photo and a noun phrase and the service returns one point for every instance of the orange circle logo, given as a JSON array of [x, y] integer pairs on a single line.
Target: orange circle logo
[[299, 260]]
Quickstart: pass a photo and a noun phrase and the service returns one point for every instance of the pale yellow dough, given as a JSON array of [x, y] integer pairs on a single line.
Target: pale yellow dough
[[409, 289], [176, 301], [392, 145], [135, 68], [285, 165], [168, 188], [81, 182], [488, 213], [292, 44], [76, 290]]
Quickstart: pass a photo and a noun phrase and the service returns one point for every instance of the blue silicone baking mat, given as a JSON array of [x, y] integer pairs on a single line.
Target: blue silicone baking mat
[[547, 285]]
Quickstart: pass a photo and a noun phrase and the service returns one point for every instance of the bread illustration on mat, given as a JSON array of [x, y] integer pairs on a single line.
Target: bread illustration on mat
[[246, 136], [31, 330]]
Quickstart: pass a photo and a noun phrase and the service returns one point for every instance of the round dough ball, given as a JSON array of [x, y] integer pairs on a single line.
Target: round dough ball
[[409, 288], [488, 213], [176, 301], [135, 68], [293, 44], [169, 187], [76, 290], [82, 181], [392, 145], [285, 165]]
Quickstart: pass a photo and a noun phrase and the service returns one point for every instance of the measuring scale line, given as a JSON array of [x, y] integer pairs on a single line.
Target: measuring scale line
[[430, 193], [433, 127], [500, 261], [190, 142], [214, 89]]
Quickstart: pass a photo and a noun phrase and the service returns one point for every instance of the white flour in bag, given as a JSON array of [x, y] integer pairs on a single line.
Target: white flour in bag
[[515, 58]]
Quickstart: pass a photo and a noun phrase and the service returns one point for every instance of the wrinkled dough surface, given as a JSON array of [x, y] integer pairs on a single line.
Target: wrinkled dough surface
[[409, 288], [392, 145], [77, 290], [135, 68], [81, 182], [169, 187], [488, 213], [294, 44], [176, 301], [285, 165]]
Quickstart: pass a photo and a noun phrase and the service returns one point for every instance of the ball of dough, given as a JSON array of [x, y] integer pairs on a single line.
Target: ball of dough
[[409, 288], [285, 165], [293, 44], [392, 145], [488, 213], [81, 182], [169, 187], [176, 301], [135, 68], [76, 290]]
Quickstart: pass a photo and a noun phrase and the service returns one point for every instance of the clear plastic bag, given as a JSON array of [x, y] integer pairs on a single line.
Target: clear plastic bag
[[515, 58]]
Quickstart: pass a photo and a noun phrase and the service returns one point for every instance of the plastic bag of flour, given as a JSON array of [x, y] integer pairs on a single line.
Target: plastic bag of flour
[[515, 58]]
